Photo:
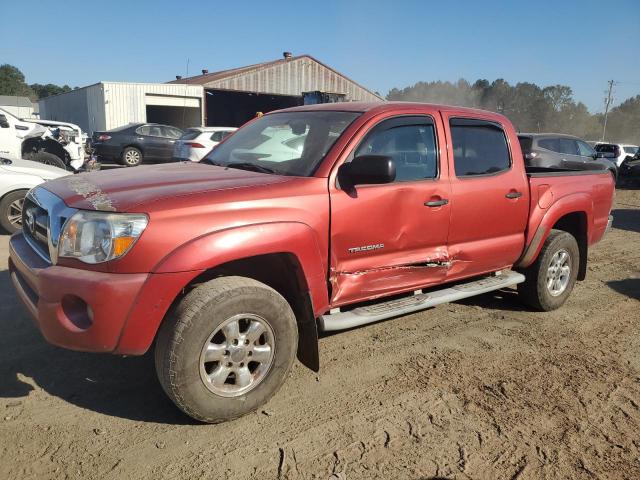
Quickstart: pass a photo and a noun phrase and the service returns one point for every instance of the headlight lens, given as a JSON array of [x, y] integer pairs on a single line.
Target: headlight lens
[[96, 237]]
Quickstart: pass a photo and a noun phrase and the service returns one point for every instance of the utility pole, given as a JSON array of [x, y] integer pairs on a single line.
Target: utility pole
[[607, 103]]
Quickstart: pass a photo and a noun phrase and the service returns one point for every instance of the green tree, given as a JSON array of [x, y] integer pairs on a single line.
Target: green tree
[[49, 89], [12, 82]]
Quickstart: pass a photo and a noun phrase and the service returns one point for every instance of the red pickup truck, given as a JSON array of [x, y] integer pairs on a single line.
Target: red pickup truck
[[321, 217]]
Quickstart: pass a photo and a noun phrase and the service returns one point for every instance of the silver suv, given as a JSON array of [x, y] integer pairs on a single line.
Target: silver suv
[[554, 150]]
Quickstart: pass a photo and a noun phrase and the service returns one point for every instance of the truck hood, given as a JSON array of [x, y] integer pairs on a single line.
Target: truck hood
[[46, 172], [127, 189]]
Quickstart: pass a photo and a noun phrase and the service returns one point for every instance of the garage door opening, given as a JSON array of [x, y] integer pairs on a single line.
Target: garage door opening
[[227, 108], [181, 117]]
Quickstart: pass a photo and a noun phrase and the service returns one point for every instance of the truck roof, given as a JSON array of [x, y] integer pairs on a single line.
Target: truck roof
[[379, 107]]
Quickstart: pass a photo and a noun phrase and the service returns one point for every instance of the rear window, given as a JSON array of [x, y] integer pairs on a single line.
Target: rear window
[[606, 148], [190, 134], [479, 147], [525, 144], [123, 127]]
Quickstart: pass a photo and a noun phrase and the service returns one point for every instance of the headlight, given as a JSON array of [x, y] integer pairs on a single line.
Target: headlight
[[96, 237]]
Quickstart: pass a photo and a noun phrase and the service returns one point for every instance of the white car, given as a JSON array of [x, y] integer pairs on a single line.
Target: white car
[[616, 152], [196, 142], [17, 177]]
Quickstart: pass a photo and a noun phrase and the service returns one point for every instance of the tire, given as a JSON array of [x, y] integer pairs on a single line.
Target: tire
[[11, 211], [131, 157], [190, 330], [46, 158], [548, 286]]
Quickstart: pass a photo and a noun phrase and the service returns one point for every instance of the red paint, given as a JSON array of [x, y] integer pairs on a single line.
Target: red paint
[[201, 216]]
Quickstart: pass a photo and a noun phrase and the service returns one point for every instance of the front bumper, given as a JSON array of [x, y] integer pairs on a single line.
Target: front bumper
[[73, 308]]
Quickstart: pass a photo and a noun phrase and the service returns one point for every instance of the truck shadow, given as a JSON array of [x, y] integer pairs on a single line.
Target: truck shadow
[[505, 299], [626, 219], [106, 384], [629, 287]]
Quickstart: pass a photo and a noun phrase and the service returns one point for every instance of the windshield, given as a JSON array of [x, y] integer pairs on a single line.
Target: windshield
[[288, 143]]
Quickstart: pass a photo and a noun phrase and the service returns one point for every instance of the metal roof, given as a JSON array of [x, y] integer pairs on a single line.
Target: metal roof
[[272, 80]]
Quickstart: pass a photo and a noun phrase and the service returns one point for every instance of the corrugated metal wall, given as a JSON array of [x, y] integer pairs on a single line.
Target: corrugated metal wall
[[292, 78], [108, 105], [84, 107], [125, 102]]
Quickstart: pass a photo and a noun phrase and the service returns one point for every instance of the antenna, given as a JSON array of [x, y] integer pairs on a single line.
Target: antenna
[[184, 104]]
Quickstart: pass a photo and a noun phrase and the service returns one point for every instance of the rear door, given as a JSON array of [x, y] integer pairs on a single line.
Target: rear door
[[489, 197], [391, 238], [169, 137]]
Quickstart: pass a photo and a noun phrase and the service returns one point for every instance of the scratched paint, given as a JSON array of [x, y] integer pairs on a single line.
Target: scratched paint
[[348, 286], [91, 193]]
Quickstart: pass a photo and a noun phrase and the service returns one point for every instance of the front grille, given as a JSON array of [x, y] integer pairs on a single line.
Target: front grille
[[35, 226], [43, 216]]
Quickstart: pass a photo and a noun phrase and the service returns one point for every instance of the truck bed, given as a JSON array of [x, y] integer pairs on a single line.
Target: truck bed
[[536, 172]]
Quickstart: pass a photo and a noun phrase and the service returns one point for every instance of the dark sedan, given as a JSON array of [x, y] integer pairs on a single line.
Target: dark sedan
[[553, 150], [136, 143]]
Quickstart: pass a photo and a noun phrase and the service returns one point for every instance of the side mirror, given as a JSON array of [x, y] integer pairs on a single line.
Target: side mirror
[[3, 121], [367, 170]]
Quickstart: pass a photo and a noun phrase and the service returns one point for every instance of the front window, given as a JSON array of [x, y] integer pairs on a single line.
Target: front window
[[288, 143]]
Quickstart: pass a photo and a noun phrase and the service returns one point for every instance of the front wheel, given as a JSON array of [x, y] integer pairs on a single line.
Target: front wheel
[[551, 278], [11, 211], [226, 349]]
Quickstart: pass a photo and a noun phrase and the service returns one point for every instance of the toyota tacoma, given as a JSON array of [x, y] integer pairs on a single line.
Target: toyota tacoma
[[231, 266]]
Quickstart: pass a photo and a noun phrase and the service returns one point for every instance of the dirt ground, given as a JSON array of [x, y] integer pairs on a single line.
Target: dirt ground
[[476, 389]]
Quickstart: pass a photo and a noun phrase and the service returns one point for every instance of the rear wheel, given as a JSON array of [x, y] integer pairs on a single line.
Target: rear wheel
[[131, 157], [226, 349], [46, 158], [11, 211], [550, 279]]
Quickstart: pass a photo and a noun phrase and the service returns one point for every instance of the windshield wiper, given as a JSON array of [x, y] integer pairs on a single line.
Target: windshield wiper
[[252, 167]]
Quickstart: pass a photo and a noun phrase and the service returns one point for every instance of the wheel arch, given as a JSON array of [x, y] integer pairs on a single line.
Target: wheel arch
[[571, 214], [47, 145]]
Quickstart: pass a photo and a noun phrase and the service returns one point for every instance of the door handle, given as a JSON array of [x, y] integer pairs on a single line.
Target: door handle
[[436, 203], [513, 195]]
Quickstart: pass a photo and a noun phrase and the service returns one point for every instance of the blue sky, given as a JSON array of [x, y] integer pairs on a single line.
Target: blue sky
[[379, 44]]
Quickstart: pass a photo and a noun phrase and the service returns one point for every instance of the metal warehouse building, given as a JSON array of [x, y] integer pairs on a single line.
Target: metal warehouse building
[[108, 105], [234, 96], [225, 98]]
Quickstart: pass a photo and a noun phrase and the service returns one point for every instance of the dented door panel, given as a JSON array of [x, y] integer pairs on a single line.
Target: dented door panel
[[385, 239]]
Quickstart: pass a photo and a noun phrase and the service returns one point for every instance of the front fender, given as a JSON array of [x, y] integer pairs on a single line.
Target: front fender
[[176, 270], [542, 221], [210, 250]]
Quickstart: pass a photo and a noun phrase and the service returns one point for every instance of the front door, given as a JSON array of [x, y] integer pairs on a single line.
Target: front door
[[392, 238], [490, 193]]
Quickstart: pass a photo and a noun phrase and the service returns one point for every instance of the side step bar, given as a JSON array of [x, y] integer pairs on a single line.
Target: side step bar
[[402, 306]]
